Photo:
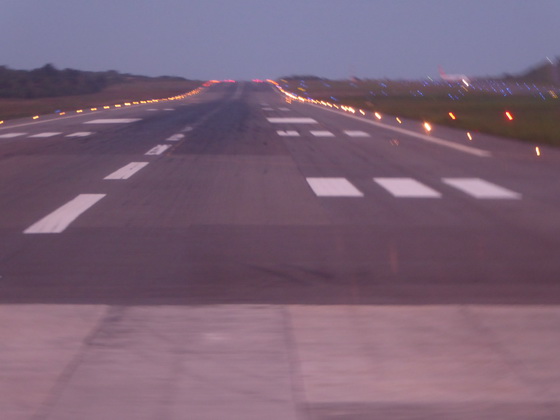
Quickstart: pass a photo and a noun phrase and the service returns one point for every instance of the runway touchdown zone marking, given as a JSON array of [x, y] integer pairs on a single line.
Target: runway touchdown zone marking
[[481, 189], [407, 187], [321, 133], [60, 219], [356, 133], [11, 135], [127, 171], [287, 133], [292, 120], [113, 121], [45, 135], [333, 187], [80, 134]]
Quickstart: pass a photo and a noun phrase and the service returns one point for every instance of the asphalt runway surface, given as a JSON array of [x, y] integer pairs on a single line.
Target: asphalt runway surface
[[350, 267]]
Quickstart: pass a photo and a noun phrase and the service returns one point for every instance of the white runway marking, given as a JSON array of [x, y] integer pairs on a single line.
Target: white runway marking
[[175, 137], [45, 135], [80, 134], [321, 133], [292, 120], [127, 171], [267, 109], [287, 133], [169, 109], [479, 188], [60, 219], [407, 187], [187, 129], [113, 121], [152, 109], [333, 187], [158, 150], [356, 133], [11, 135]]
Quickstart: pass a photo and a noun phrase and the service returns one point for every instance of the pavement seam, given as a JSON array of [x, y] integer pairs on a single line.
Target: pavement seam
[[46, 407]]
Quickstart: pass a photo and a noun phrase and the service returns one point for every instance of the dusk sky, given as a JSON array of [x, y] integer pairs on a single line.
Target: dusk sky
[[245, 39]]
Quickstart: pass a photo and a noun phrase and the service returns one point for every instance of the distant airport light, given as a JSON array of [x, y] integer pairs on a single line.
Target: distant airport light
[[427, 127], [399, 120], [106, 107], [465, 82], [79, 111], [537, 151], [469, 136], [35, 117], [93, 109], [509, 116], [452, 116], [362, 112], [1, 122], [377, 115], [62, 113]]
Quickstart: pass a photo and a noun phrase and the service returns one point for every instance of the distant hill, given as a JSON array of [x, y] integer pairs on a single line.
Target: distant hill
[[48, 81]]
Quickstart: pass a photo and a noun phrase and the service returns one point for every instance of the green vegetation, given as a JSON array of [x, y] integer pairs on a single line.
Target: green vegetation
[[48, 90], [535, 119]]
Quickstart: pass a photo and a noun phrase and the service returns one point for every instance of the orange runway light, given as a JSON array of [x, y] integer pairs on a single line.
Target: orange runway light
[[469, 136], [377, 115], [1, 122], [427, 127], [509, 116], [452, 116], [35, 117], [538, 151], [398, 120]]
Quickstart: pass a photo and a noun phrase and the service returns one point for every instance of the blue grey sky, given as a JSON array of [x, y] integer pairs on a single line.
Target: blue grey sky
[[245, 39]]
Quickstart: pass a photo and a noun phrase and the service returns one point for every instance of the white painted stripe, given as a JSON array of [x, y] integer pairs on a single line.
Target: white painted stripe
[[321, 133], [291, 120], [287, 133], [152, 109], [176, 137], [187, 129], [80, 134], [407, 187], [435, 140], [45, 135], [479, 188], [61, 218], [268, 109], [158, 150], [169, 109], [127, 171], [11, 135], [356, 133], [333, 187], [113, 121]]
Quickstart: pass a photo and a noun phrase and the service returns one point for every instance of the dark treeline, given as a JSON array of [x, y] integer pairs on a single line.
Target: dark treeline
[[48, 81]]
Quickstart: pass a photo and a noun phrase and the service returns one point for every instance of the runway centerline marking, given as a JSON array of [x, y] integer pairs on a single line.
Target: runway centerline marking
[[60, 219], [480, 188], [292, 120], [127, 171], [158, 150], [113, 121], [333, 187], [175, 137], [407, 187]]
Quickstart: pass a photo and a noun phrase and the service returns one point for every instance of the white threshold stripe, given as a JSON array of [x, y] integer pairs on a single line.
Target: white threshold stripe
[[268, 109], [45, 135], [287, 133], [80, 134], [435, 140], [291, 120], [407, 187], [127, 171], [11, 135], [333, 187], [113, 121], [356, 133], [321, 133], [479, 188], [60, 219], [175, 137], [158, 150]]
